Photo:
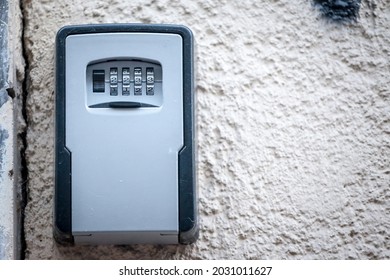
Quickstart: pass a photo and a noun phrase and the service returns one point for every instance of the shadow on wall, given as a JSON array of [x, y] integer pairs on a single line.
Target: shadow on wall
[[339, 10]]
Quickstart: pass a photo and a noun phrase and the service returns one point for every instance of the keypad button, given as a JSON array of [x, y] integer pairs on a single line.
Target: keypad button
[[114, 81]]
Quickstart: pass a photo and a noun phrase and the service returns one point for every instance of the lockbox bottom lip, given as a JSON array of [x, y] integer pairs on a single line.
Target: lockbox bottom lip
[[125, 238]]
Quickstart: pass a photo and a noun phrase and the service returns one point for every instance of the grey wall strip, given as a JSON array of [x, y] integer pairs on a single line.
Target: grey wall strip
[[4, 63]]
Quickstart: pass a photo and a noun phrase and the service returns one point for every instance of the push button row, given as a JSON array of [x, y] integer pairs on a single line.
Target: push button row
[[98, 80]]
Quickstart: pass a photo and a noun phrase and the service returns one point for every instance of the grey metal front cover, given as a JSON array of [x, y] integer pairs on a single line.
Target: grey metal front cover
[[124, 160]]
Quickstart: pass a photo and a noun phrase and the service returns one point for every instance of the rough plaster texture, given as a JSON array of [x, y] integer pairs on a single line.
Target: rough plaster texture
[[293, 128]]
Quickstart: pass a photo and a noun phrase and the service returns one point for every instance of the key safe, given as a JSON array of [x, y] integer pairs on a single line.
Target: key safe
[[125, 135]]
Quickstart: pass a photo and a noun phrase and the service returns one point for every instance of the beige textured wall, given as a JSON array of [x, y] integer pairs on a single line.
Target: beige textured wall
[[294, 128]]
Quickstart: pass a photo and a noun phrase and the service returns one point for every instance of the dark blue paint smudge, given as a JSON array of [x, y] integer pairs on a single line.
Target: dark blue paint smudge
[[4, 63], [3, 97], [339, 10], [3, 136]]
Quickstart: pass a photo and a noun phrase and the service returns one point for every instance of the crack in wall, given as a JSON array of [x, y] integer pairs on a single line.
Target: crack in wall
[[23, 138]]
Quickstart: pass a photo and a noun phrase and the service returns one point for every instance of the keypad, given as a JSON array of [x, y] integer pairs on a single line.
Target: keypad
[[125, 81]]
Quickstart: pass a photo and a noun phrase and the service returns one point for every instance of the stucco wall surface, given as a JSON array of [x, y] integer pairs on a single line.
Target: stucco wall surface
[[293, 128]]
